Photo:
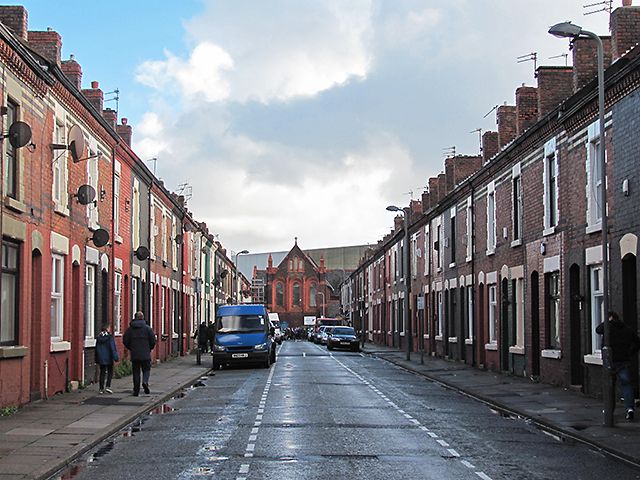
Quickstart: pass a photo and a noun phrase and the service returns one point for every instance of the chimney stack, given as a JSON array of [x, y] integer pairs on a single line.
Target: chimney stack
[[95, 96], [585, 60], [506, 120], [434, 194], [624, 24], [526, 108], [124, 131], [426, 201], [46, 44], [555, 85], [110, 116], [16, 18], [398, 223], [72, 71], [490, 145], [442, 185]]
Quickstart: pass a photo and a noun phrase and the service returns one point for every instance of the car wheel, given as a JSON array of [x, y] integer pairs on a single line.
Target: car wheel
[[215, 365], [329, 347]]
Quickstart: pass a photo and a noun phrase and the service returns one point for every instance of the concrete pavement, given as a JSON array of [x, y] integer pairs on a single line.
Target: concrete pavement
[[568, 414], [43, 437]]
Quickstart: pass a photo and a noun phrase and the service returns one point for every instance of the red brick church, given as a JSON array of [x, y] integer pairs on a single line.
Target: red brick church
[[297, 287]]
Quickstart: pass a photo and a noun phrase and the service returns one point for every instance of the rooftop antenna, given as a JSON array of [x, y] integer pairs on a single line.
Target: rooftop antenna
[[489, 112], [479, 132], [186, 190], [410, 193], [565, 55], [529, 57], [115, 98], [155, 161], [449, 151], [605, 6]]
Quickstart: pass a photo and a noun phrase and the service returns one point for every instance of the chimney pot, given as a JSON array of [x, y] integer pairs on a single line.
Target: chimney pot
[[95, 84]]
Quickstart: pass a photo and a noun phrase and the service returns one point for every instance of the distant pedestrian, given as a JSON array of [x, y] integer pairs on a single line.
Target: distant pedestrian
[[202, 334], [140, 340], [106, 355], [624, 344]]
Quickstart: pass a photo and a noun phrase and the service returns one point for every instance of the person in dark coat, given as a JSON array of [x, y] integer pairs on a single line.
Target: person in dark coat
[[106, 355], [140, 340], [624, 344], [202, 334], [211, 335]]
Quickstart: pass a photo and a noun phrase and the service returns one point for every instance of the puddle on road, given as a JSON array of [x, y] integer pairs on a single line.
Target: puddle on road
[[202, 471], [162, 409]]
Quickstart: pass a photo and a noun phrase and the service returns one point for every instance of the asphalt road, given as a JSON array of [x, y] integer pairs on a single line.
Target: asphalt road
[[335, 415]]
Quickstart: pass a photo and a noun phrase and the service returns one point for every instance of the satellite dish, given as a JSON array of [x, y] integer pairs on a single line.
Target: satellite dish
[[19, 134], [187, 227], [142, 253], [178, 239], [223, 273], [86, 194], [77, 144], [100, 237]]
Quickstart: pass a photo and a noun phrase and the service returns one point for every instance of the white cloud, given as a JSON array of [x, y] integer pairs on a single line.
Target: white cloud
[[275, 57], [201, 77]]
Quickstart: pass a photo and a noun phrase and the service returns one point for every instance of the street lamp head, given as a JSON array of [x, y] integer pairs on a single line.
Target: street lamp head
[[243, 252], [393, 208], [565, 30]]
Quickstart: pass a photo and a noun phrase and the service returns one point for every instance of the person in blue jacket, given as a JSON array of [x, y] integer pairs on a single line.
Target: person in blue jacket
[[106, 355]]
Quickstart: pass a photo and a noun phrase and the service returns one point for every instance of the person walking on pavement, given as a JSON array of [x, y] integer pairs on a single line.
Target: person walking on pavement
[[624, 344], [140, 340], [202, 334], [106, 355]]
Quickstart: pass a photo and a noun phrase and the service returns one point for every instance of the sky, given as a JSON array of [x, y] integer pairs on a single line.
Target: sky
[[305, 119]]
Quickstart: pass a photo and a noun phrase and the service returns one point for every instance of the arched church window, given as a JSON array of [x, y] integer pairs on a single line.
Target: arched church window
[[297, 299], [313, 293], [279, 294]]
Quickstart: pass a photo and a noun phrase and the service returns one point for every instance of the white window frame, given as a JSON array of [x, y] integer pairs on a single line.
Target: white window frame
[[163, 306], [426, 250], [152, 288], [60, 181], [493, 312], [491, 219], [452, 236], [164, 237], [550, 204], [90, 302], [117, 302], [517, 206], [440, 313], [518, 296], [92, 179], [134, 295], [414, 257], [554, 311], [174, 312], [596, 299], [470, 312], [116, 201], [594, 179], [469, 221], [135, 214], [174, 245], [57, 296], [153, 233]]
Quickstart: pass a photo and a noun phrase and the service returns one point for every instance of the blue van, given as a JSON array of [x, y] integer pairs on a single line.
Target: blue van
[[243, 335]]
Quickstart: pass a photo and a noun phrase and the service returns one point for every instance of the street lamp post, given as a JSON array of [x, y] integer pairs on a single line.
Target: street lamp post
[[569, 30], [236, 283], [407, 277], [322, 293]]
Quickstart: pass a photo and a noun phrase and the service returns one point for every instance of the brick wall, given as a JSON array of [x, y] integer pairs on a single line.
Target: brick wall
[[490, 145], [526, 108], [555, 84], [625, 30], [506, 120]]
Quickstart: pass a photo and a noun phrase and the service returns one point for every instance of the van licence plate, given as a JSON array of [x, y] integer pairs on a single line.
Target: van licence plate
[[239, 355]]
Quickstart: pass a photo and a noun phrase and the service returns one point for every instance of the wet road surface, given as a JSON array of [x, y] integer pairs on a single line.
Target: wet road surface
[[332, 415]]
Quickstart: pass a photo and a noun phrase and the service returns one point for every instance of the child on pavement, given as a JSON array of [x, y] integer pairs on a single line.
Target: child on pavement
[[106, 355]]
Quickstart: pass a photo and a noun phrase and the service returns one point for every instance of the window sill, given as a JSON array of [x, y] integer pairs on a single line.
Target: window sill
[[118, 239], [596, 227], [453, 339], [516, 243], [426, 336], [15, 205], [491, 346], [402, 334], [551, 353], [548, 231], [60, 210], [60, 346], [593, 359], [452, 265], [174, 336], [438, 338], [468, 259], [13, 352], [468, 341], [490, 252], [516, 350], [89, 342]]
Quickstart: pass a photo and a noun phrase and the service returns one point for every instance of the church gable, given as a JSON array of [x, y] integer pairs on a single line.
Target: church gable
[[296, 261]]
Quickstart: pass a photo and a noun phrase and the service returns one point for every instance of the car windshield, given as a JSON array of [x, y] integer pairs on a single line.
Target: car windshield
[[240, 323], [344, 331]]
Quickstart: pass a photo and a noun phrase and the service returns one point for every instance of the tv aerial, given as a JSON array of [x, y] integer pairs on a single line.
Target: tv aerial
[[529, 57]]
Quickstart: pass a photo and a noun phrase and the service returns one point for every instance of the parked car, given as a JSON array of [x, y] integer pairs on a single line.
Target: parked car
[[318, 334], [326, 331], [343, 337]]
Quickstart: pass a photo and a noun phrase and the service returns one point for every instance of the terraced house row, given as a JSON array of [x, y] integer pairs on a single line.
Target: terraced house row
[[88, 234], [505, 249]]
